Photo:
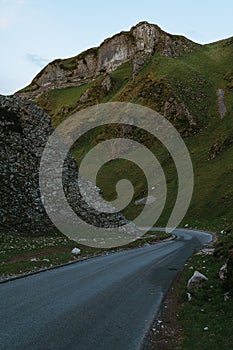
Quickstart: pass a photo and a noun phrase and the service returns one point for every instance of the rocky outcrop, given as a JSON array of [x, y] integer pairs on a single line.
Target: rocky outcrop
[[136, 46], [219, 146], [159, 95], [221, 104], [107, 83], [24, 131]]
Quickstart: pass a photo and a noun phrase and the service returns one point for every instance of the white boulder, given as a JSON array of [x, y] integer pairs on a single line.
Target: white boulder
[[197, 280], [76, 251], [146, 200]]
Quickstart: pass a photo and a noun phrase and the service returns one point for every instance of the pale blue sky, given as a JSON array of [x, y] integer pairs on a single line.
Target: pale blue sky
[[34, 32]]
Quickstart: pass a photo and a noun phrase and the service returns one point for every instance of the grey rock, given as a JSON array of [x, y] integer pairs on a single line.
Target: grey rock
[[221, 104], [135, 46], [146, 200], [24, 131], [223, 272], [107, 83], [197, 280]]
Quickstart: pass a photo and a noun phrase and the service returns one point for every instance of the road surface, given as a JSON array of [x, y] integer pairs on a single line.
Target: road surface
[[105, 303]]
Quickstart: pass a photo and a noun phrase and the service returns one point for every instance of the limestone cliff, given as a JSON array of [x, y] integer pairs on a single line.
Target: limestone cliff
[[136, 46]]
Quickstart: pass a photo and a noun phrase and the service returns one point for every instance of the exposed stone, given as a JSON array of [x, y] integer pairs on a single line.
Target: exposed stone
[[84, 96], [206, 251], [226, 296], [146, 200], [219, 146], [197, 280], [221, 104], [175, 110], [159, 95], [136, 46], [107, 82], [24, 131], [76, 251], [223, 272]]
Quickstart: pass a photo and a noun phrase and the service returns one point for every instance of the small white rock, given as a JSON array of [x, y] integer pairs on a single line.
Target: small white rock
[[76, 251], [226, 296], [206, 328]]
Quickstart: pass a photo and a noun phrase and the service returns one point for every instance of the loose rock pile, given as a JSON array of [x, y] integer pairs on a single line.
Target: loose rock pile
[[24, 131]]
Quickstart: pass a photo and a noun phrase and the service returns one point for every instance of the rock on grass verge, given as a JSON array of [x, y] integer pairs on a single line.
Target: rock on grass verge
[[20, 254], [200, 318]]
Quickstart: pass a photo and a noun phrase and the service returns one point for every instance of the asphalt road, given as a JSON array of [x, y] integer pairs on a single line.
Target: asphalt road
[[105, 303]]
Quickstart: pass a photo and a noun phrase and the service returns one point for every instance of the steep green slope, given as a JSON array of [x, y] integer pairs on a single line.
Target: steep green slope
[[184, 90], [60, 103]]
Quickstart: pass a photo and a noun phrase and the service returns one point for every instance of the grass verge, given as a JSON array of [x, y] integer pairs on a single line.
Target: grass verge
[[204, 322], [23, 253]]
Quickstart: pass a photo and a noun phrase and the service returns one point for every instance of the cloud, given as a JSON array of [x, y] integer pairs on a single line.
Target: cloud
[[37, 60], [4, 22]]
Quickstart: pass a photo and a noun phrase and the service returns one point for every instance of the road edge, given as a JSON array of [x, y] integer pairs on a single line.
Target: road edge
[[170, 295], [46, 269]]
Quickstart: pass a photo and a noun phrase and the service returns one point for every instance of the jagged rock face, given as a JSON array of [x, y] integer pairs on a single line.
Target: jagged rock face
[[136, 46], [24, 131]]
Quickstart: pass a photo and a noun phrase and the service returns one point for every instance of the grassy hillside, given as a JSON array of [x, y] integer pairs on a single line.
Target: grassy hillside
[[189, 85], [192, 80]]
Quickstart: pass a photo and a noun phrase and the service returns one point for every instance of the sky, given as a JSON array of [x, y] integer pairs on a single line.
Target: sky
[[35, 32]]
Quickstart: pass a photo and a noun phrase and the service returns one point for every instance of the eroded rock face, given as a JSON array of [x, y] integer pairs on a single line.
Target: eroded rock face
[[24, 131], [221, 104], [136, 46]]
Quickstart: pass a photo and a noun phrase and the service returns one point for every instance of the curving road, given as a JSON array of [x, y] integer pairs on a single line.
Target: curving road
[[105, 303]]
